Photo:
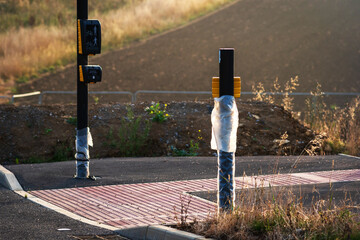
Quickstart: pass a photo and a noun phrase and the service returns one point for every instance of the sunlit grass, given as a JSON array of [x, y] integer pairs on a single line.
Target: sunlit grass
[[25, 51]]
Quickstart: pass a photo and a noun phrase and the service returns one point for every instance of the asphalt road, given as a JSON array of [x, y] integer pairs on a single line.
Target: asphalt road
[[23, 219], [318, 40], [137, 170]]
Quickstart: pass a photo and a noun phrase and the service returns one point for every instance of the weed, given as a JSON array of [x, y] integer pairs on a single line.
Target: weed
[[13, 90], [158, 114], [131, 135], [182, 217], [277, 214], [23, 79], [72, 120], [47, 131], [192, 150], [33, 159], [61, 153], [96, 99], [337, 129], [286, 101]]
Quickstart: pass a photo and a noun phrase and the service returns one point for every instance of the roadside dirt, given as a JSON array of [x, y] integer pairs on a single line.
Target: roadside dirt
[[47, 133]]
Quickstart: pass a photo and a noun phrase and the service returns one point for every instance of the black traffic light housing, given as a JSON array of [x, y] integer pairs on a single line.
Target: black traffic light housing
[[90, 73], [89, 37]]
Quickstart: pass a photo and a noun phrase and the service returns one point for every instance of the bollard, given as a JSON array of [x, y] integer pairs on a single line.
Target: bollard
[[224, 118]]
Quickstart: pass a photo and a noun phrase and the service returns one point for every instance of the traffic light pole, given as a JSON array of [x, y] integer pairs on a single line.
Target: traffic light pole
[[82, 161]]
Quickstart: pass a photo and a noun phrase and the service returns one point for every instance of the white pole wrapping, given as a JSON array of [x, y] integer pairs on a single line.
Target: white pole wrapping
[[225, 121]]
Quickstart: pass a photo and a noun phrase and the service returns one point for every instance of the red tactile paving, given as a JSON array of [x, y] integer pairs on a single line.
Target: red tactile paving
[[132, 205]]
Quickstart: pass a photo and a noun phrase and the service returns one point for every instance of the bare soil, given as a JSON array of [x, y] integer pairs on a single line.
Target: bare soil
[[47, 133]]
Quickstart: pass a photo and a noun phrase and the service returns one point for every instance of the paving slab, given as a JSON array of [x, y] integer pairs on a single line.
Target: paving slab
[[142, 204]]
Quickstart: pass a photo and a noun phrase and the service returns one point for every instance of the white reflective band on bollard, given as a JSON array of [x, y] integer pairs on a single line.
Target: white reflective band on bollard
[[82, 143]]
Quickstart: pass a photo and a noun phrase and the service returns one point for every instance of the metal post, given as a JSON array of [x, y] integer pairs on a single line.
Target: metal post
[[226, 71], [82, 163], [226, 160]]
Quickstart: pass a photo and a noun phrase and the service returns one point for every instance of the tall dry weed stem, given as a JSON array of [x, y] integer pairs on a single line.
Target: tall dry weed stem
[[290, 86], [350, 124], [182, 216], [286, 101]]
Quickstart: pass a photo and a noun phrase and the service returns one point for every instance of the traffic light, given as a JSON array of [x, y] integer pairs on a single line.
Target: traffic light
[[89, 37], [90, 73]]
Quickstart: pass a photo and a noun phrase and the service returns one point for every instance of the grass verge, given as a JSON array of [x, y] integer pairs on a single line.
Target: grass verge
[[277, 214]]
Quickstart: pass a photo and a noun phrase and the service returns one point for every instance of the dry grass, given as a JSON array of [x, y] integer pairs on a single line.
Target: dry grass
[[278, 214], [24, 52], [286, 101], [337, 129]]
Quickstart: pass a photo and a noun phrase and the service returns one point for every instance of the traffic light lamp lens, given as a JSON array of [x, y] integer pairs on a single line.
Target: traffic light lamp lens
[[90, 73], [89, 36]]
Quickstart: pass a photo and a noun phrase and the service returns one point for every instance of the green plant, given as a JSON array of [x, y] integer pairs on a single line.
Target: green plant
[[96, 100], [192, 149], [131, 135], [158, 114], [72, 121], [61, 153], [47, 131]]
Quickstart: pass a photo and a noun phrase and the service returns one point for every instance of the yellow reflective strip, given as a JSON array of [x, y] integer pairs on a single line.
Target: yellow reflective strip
[[214, 95], [237, 87], [215, 87], [79, 37], [81, 74], [216, 79]]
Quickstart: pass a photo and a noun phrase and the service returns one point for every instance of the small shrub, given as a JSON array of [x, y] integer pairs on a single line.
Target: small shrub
[[131, 135], [72, 121], [158, 114], [62, 153]]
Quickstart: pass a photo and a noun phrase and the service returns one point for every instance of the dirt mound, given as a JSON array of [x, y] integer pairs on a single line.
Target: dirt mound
[[47, 133]]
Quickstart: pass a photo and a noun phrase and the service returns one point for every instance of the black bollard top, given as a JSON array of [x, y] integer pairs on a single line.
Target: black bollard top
[[226, 71]]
